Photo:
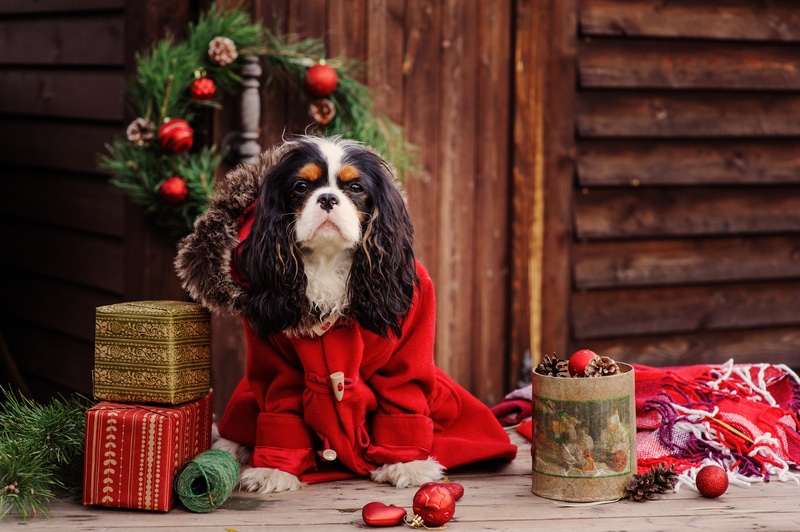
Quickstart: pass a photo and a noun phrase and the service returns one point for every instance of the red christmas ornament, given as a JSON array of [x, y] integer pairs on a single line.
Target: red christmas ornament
[[173, 190], [456, 489], [379, 514], [579, 360], [712, 481], [321, 80], [176, 136], [433, 506], [202, 89]]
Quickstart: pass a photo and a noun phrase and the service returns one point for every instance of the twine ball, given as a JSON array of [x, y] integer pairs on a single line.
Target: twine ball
[[207, 481]]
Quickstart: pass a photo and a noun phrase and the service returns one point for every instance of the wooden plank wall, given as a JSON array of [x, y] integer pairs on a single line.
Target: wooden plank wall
[[687, 200], [620, 174], [71, 242], [441, 69]]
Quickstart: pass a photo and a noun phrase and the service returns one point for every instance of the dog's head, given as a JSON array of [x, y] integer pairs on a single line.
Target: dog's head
[[328, 202]]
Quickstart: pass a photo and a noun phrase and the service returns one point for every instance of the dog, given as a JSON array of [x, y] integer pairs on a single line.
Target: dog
[[312, 246]]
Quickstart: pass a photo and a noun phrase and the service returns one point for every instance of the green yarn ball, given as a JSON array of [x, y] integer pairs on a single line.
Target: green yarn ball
[[207, 481]]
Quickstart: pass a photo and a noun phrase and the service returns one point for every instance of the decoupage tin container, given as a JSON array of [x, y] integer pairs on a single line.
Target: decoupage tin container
[[584, 436]]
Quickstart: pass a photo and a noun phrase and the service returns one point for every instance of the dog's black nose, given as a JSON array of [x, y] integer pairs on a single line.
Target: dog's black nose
[[327, 202]]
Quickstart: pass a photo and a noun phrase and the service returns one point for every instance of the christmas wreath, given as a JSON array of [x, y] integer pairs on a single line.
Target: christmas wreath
[[158, 163]]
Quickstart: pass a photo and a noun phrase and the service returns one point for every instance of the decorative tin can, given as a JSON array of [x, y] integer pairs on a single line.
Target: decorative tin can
[[584, 436]]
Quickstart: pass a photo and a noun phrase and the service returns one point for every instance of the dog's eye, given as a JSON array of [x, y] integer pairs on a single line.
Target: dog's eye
[[301, 187], [356, 187]]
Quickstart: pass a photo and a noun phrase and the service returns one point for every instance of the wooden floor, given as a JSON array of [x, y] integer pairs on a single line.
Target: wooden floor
[[494, 499]]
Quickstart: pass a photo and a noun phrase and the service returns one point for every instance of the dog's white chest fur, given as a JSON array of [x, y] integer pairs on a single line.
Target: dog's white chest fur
[[327, 281]]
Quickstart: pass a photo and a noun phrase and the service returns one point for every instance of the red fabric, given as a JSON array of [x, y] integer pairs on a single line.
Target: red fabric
[[743, 414], [513, 411], [526, 429], [397, 405]]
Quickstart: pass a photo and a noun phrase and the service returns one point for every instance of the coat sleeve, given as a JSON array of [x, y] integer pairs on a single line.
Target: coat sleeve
[[402, 429], [283, 441]]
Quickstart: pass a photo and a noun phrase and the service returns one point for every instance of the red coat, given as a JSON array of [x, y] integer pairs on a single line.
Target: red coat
[[397, 405]]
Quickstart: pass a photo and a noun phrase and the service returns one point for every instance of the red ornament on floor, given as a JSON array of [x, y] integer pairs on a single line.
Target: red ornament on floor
[[433, 506], [321, 80], [579, 360], [173, 190], [379, 514], [712, 481], [456, 489], [176, 136]]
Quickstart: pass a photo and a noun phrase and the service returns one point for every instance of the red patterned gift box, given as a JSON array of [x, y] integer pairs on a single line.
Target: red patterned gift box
[[134, 451]]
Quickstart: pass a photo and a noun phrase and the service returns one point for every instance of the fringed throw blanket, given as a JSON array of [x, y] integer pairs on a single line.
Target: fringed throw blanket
[[744, 417]]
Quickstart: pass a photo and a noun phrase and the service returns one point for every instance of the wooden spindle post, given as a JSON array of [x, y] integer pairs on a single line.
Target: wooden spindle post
[[248, 145]]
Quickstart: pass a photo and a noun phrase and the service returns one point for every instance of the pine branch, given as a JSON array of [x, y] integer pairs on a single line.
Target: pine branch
[[25, 480], [41, 450]]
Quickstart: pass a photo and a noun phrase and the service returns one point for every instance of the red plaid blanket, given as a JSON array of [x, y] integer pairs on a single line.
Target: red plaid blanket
[[744, 417]]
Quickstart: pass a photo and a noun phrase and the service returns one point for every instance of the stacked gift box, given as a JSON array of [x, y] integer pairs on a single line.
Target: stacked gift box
[[152, 375]]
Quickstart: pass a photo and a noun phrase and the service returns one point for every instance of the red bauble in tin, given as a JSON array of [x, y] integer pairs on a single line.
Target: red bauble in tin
[[579, 360]]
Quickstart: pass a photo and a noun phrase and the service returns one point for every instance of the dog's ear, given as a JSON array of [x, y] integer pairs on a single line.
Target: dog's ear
[[384, 273], [268, 260]]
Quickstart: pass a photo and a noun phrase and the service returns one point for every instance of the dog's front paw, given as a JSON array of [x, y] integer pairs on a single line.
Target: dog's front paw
[[405, 474], [240, 452], [268, 480]]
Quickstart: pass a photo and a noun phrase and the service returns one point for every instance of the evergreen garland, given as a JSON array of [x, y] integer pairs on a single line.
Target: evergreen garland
[[139, 165], [41, 452]]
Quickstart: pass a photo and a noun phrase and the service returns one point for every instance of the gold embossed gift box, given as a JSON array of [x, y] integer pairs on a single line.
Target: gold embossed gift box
[[134, 452], [152, 352]]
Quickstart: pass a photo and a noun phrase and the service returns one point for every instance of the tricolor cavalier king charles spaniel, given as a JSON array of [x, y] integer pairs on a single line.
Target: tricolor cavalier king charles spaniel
[[312, 245], [334, 239]]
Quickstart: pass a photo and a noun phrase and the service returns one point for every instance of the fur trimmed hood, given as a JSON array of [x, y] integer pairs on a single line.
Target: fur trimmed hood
[[203, 262]]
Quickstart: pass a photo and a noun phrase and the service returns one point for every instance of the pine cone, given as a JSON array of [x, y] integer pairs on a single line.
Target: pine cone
[[664, 477], [222, 51], [601, 366], [552, 366], [140, 131], [646, 486], [322, 111]]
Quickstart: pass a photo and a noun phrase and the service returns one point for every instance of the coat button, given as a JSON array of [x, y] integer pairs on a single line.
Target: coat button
[[329, 455]]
